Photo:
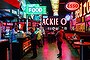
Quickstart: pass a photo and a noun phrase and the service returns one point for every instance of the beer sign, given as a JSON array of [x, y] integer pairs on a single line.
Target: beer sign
[[72, 6]]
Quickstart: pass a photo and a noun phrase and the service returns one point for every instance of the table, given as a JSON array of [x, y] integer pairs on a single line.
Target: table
[[73, 40], [20, 48], [81, 48], [84, 43], [3, 40]]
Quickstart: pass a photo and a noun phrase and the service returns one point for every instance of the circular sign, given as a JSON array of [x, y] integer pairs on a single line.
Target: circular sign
[[72, 6]]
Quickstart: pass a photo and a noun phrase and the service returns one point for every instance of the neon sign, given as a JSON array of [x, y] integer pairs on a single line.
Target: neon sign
[[85, 8], [63, 23], [50, 21], [35, 9], [55, 7], [72, 6], [54, 21], [67, 17]]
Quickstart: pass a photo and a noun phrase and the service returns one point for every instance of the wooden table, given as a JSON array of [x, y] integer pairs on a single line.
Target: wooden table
[[81, 47]]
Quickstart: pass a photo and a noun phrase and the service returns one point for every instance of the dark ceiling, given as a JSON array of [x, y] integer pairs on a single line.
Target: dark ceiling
[[5, 5], [47, 3]]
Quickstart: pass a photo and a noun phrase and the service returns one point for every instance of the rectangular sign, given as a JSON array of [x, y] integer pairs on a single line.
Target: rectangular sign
[[35, 9], [80, 27]]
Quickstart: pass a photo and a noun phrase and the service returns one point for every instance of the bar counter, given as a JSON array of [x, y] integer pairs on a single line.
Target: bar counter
[[3, 49], [20, 48]]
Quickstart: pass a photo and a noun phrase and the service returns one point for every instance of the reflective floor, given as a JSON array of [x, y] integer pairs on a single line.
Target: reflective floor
[[49, 52]]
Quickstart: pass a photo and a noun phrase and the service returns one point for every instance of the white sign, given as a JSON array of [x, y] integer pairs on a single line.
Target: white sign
[[54, 21], [50, 21]]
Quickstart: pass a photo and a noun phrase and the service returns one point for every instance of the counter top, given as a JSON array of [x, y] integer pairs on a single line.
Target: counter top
[[84, 43], [3, 40]]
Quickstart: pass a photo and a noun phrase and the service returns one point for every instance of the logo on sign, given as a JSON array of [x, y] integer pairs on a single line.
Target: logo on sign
[[72, 6]]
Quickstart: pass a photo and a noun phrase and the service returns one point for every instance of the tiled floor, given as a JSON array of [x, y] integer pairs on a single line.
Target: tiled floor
[[50, 51]]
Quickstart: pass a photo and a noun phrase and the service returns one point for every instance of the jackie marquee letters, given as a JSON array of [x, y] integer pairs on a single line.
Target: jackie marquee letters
[[54, 21]]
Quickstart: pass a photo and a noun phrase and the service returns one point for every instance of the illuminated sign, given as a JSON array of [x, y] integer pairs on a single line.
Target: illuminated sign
[[67, 17], [35, 9], [72, 6], [36, 17], [85, 8], [50, 21], [87, 17], [54, 21], [55, 7], [10, 24], [65, 21], [78, 13], [80, 27]]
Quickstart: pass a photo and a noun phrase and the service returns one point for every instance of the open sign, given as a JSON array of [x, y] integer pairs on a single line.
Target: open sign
[[72, 6]]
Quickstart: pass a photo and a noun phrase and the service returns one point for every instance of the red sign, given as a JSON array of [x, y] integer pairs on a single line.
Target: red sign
[[72, 6]]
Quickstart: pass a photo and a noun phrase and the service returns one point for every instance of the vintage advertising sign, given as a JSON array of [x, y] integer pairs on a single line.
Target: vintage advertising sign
[[72, 6]]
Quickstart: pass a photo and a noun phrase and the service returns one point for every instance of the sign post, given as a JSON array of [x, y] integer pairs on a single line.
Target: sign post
[[34, 9]]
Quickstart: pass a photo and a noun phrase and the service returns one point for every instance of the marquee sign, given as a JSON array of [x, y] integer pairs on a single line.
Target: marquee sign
[[54, 21], [63, 23], [72, 6]]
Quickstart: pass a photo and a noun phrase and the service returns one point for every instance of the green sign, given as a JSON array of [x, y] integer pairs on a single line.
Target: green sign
[[35, 9], [33, 5]]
